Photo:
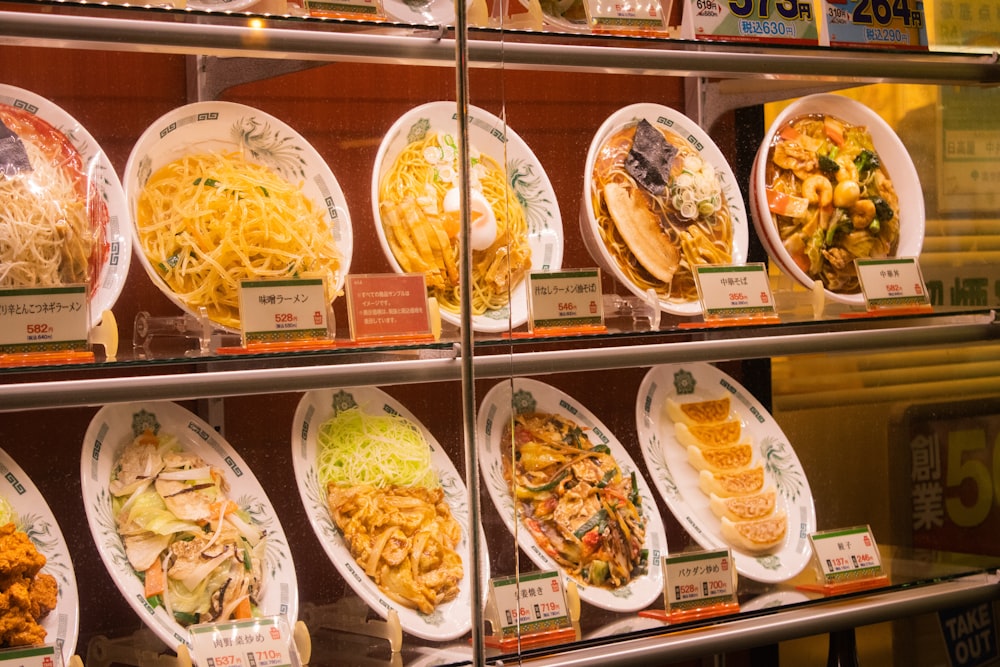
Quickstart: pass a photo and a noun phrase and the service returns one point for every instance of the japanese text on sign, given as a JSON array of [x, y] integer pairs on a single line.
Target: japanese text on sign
[[387, 305], [281, 310], [263, 642], [565, 298], [781, 21], [44, 317], [530, 603], [731, 291], [848, 553], [699, 579]]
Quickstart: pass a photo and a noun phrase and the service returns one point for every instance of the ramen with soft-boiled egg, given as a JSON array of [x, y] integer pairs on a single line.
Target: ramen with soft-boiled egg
[[419, 200]]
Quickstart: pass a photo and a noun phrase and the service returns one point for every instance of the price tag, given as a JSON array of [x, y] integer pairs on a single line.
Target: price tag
[[44, 319], [260, 642], [734, 291], [364, 10], [885, 24], [561, 299], [892, 283], [699, 580], [847, 554], [36, 656], [387, 305], [769, 21], [274, 311], [627, 17], [529, 604]]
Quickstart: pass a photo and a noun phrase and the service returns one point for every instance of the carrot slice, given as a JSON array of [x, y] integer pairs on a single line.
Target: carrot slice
[[783, 203], [243, 609], [834, 129], [154, 580]]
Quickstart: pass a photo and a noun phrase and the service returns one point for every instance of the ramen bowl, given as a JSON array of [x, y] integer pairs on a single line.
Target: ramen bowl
[[489, 137], [895, 161], [283, 161], [693, 140]]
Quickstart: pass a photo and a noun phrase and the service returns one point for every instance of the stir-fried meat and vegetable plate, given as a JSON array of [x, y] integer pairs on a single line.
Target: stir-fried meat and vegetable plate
[[574, 500], [831, 198], [387, 501], [198, 553]]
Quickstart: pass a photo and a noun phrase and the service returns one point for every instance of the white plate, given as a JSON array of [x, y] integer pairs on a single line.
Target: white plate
[[113, 427], [495, 414], [204, 127], [677, 480], [421, 12], [699, 141], [117, 232], [490, 136], [449, 620], [33, 516], [221, 5], [894, 157]]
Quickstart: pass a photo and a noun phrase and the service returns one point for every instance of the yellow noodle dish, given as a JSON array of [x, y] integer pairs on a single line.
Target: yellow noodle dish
[[831, 198], [208, 221]]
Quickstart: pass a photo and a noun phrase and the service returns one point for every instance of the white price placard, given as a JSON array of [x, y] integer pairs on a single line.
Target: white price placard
[[699, 579], [533, 602], [34, 656], [283, 310], [625, 17], [565, 299], [892, 283], [46, 318], [734, 291], [259, 642], [849, 553]]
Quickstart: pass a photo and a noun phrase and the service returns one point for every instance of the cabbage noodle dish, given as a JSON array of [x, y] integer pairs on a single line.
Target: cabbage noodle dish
[[198, 553]]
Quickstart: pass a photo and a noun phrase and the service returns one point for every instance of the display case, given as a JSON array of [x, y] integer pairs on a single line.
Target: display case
[[853, 393]]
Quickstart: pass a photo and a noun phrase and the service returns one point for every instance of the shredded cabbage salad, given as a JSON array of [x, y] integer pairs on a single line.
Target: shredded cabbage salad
[[378, 450], [6, 512]]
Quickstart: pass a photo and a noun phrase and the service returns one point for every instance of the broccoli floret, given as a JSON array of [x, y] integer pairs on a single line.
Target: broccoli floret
[[828, 166], [883, 211], [867, 161]]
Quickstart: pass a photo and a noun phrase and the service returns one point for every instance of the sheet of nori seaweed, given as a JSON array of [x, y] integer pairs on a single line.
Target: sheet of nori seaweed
[[13, 156], [648, 161]]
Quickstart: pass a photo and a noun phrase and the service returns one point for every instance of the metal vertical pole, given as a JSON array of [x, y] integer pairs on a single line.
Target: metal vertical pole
[[465, 280]]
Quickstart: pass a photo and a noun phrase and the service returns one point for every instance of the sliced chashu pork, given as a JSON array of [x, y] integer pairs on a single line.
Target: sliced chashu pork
[[642, 231]]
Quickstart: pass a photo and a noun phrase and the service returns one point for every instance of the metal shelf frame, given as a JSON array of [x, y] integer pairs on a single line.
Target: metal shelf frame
[[756, 71], [216, 379], [814, 619], [264, 37]]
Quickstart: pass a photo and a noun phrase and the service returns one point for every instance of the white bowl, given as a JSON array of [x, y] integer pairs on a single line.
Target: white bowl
[[895, 159], [206, 127], [663, 118], [110, 211], [490, 136], [422, 12]]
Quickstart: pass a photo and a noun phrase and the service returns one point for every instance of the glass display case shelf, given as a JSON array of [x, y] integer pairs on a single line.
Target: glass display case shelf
[[108, 27], [921, 582], [222, 375]]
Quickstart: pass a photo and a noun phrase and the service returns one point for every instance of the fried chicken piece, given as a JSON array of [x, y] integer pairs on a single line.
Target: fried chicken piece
[[25, 595], [18, 556], [43, 591], [17, 626]]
